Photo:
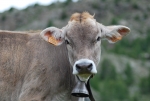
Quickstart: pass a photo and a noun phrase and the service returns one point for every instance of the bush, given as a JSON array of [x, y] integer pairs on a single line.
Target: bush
[[107, 71], [63, 15], [95, 83], [113, 91], [145, 16], [67, 2], [116, 2], [137, 18], [11, 9], [36, 5], [135, 6], [3, 18], [129, 75], [50, 23], [145, 85], [95, 6], [114, 21]]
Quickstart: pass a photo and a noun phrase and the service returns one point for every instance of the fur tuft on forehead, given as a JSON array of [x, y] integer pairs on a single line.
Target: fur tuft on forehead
[[81, 17]]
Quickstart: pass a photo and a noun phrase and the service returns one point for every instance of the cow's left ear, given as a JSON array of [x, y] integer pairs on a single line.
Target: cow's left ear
[[53, 35], [115, 33]]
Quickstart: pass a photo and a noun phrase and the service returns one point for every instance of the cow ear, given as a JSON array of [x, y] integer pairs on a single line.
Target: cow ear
[[53, 35], [115, 33]]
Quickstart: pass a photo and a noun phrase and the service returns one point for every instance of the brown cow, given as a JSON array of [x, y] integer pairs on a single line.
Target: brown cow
[[31, 69]]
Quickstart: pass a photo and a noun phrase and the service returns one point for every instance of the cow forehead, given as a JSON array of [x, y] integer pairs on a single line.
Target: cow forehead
[[86, 29], [82, 18], [82, 24]]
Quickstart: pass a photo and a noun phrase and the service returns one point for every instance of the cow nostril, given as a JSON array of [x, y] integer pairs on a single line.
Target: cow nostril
[[78, 68], [84, 67], [90, 66]]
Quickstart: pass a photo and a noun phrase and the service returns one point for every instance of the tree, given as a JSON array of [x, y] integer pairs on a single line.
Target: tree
[[145, 85], [107, 71], [113, 91], [68, 2], [129, 75]]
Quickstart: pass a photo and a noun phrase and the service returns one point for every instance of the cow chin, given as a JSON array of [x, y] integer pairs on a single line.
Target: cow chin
[[84, 77], [84, 68]]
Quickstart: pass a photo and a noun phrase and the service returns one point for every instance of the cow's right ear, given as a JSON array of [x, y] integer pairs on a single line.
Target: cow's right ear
[[53, 35]]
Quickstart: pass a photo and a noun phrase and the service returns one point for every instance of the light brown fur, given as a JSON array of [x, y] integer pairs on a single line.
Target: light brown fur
[[32, 69], [81, 17]]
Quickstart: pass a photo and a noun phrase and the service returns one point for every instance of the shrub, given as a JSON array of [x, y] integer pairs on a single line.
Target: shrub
[[114, 21], [50, 23], [145, 15], [135, 6], [95, 6], [129, 75], [145, 85], [113, 91], [116, 2], [63, 15], [36, 5], [137, 18], [107, 71], [3, 18], [95, 83], [11, 9], [67, 2]]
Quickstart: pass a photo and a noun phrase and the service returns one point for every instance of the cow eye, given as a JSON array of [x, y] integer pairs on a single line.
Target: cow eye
[[101, 30], [98, 38], [67, 42]]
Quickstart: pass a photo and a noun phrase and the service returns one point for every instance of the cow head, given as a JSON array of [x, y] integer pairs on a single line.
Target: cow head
[[83, 37]]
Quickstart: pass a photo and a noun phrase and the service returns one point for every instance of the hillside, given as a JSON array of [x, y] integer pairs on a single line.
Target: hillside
[[124, 71], [126, 12]]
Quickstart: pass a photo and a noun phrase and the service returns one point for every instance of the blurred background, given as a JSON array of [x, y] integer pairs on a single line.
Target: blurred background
[[124, 70]]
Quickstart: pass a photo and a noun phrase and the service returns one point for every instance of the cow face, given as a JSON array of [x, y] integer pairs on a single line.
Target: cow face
[[83, 37]]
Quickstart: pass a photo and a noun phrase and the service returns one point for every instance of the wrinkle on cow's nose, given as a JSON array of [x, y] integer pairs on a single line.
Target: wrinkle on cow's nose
[[84, 67]]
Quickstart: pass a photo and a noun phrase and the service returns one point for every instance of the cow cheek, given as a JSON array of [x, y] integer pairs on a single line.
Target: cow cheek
[[96, 55], [71, 57]]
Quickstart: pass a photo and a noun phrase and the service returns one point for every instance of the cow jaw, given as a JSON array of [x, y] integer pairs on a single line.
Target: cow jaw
[[84, 68]]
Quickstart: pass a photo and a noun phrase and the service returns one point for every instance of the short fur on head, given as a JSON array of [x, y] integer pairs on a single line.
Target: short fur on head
[[83, 35], [81, 17]]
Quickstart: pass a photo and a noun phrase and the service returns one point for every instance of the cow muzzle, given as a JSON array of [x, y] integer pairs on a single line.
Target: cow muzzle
[[84, 68]]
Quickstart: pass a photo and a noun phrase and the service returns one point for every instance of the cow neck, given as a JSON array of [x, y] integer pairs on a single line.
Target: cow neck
[[91, 97]]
